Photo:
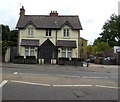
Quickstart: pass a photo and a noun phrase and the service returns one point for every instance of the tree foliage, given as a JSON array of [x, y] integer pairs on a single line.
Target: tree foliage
[[97, 49], [9, 38], [111, 32]]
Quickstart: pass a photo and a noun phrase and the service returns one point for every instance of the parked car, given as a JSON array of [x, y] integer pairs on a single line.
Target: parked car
[[111, 60], [92, 60]]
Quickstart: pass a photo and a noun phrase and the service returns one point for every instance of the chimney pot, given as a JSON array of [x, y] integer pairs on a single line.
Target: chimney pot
[[22, 11], [53, 13]]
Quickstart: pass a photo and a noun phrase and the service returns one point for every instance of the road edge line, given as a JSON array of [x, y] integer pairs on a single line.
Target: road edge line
[[30, 83]]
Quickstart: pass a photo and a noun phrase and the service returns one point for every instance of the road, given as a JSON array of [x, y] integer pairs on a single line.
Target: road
[[51, 84]]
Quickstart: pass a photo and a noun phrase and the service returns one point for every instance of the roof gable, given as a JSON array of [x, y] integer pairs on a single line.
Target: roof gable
[[68, 24], [47, 44], [30, 23]]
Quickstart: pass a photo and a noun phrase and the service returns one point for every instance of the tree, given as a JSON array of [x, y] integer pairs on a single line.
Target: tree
[[5, 33], [13, 37], [9, 38], [111, 31], [102, 46], [5, 38]]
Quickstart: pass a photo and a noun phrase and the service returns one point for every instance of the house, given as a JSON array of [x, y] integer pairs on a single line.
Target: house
[[49, 37], [83, 52]]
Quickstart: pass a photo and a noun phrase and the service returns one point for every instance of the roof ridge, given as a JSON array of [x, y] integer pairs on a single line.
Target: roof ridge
[[54, 16]]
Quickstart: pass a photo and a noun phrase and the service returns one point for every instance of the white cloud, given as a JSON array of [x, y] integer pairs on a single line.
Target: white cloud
[[92, 13]]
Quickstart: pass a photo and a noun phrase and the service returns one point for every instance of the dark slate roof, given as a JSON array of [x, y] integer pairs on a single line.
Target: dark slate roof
[[53, 22], [66, 43], [29, 42]]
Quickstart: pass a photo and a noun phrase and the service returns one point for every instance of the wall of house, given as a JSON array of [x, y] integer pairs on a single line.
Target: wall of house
[[40, 34], [83, 52], [73, 36]]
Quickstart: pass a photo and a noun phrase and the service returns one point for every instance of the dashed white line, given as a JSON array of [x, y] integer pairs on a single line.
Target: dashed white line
[[3, 83], [107, 87], [15, 73], [94, 77], [39, 84], [30, 83], [70, 85]]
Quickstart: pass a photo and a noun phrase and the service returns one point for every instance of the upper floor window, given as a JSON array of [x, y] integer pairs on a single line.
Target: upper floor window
[[48, 32], [82, 43], [66, 32], [30, 31]]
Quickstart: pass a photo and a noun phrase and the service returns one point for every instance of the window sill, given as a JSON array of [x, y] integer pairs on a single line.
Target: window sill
[[30, 37], [66, 37], [48, 36]]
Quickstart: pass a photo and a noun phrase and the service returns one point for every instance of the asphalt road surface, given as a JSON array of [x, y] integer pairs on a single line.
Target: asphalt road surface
[[51, 84]]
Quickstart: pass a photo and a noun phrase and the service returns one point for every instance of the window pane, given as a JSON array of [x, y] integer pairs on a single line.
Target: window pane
[[67, 32], [64, 32], [49, 32], [46, 32], [28, 31], [26, 51], [31, 31], [32, 53], [63, 54], [69, 54]]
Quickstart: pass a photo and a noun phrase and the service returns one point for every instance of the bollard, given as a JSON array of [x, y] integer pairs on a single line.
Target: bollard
[[87, 64]]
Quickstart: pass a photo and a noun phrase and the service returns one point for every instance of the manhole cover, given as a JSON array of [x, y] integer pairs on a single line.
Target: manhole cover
[[79, 93]]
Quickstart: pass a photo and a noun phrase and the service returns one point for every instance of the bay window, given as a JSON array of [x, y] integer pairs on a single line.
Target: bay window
[[29, 51], [67, 52]]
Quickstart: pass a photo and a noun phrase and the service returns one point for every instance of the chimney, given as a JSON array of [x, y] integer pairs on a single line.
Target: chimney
[[53, 13], [22, 11]]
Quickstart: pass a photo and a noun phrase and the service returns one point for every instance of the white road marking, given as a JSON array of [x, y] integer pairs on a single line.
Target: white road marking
[[30, 83], [15, 73], [65, 75], [107, 87], [94, 77], [70, 85], [3, 83]]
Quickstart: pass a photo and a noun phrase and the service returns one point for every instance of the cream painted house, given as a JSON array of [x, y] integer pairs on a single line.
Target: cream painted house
[[49, 37]]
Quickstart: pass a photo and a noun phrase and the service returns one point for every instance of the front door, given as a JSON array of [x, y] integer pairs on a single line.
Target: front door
[[47, 51]]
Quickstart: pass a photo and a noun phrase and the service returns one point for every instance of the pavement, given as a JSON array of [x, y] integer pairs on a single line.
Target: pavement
[[91, 68]]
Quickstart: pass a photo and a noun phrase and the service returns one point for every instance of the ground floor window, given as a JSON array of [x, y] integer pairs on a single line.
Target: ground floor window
[[67, 52], [29, 51]]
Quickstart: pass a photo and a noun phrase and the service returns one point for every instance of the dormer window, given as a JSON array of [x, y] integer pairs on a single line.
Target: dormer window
[[48, 32], [66, 32], [30, 31]]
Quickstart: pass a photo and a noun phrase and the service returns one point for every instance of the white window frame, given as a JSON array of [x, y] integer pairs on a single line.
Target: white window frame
[[66, 32], [29, 50], [48, 33], [30, 31], [66, 51]]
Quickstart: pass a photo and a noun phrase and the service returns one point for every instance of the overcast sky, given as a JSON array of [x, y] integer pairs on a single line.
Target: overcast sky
[[92, 13]]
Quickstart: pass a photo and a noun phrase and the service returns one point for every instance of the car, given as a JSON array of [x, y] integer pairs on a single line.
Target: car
[[92, 60]]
